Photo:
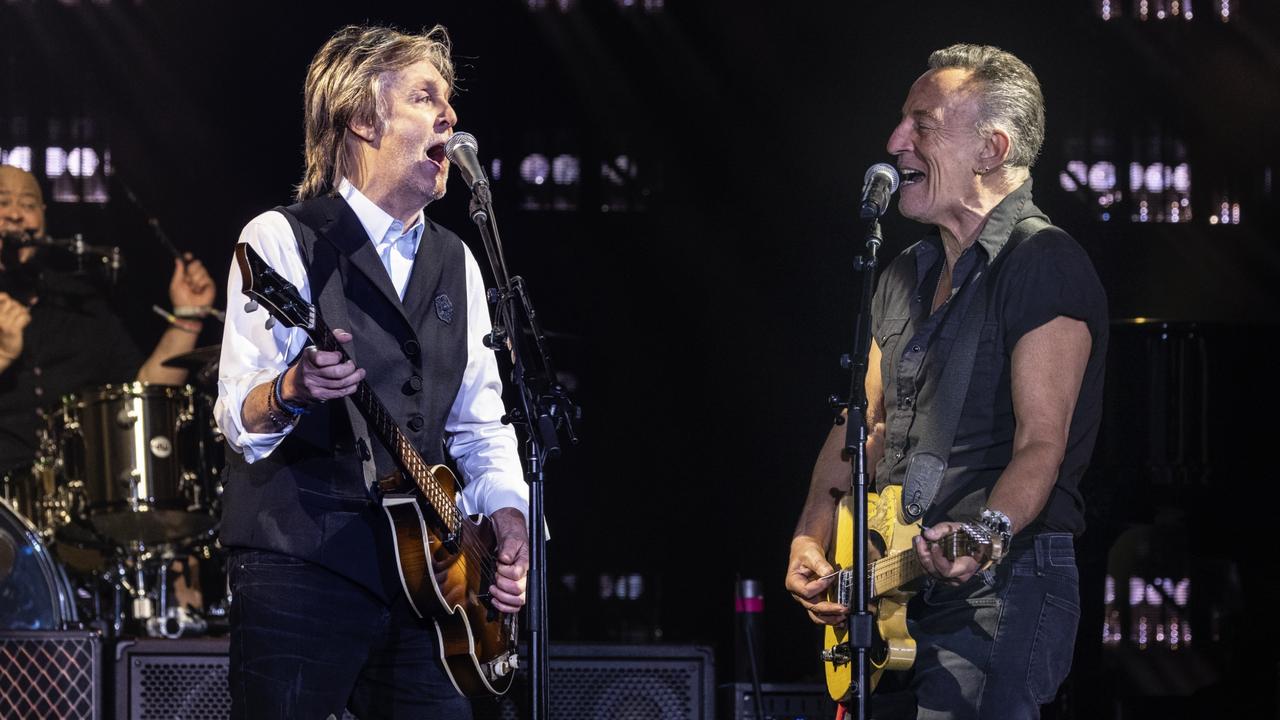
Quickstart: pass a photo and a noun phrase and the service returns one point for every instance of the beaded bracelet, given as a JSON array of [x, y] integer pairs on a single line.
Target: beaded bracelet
[[280, 418], [280, 401]]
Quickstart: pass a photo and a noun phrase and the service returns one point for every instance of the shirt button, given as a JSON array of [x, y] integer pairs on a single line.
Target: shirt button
[[915, 348], [897, 454], [412, 385], [908, 400], [416, 422], [411, 348]]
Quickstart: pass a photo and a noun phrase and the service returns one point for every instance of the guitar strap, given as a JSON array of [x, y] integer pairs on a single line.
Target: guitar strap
[[320, 274], [926, 470]]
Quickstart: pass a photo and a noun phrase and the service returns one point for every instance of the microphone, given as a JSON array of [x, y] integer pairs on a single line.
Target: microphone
[[462, 149], [881, 181]]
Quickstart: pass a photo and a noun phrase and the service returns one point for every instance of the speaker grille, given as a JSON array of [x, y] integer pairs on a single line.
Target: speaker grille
[[49, 674], [624, 690], [619, 682], [161, 688]]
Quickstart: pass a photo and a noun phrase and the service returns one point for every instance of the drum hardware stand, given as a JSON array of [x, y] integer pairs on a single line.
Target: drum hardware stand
[[154, 613]]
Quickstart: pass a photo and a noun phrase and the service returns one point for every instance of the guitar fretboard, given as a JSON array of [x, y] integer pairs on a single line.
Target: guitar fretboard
[[383, 425], [894, 571], [891, 573]]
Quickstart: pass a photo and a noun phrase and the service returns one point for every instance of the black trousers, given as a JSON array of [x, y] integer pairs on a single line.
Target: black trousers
[[307, 643]]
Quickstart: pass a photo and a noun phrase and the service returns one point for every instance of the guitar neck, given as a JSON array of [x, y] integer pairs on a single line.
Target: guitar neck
[[383, 426], [890, 573]]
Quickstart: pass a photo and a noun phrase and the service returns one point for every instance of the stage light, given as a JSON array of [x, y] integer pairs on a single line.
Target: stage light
[[1102, 177], [565, 170], [82, 162], [55, 162], [19, 156], [534, 169]]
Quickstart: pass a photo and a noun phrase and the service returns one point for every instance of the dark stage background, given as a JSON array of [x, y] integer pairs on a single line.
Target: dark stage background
[[700, 289]]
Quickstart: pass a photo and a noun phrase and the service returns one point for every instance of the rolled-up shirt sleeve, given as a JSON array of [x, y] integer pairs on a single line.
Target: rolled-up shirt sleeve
[[484, 449], [253, 354]]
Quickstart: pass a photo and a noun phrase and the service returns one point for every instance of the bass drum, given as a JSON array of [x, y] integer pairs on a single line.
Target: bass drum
[[34, 591]]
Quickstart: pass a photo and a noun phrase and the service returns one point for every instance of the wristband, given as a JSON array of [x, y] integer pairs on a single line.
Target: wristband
[[280, 401], [192, 311]]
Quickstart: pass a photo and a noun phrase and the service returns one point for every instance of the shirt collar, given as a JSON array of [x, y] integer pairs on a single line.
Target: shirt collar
[[377, 223], [997, 230], [1003, 217]]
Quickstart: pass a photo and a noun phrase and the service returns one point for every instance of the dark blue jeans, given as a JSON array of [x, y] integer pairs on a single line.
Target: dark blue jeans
[[307, 643], [998, 646]]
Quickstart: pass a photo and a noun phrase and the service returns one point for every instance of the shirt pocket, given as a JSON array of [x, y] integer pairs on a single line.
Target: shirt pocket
[[890, 341]]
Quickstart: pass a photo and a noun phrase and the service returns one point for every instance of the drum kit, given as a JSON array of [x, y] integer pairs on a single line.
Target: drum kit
[[114, 525]]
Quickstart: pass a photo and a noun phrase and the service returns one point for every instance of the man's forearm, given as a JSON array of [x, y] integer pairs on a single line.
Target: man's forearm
[[829, 481], [179, 338], [1024, 487]]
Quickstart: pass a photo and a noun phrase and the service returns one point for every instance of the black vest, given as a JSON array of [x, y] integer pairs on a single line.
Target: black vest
[[309, 498]]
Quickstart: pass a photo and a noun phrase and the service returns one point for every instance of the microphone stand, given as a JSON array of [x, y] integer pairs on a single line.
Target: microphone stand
[[544, 407], [861, 625]]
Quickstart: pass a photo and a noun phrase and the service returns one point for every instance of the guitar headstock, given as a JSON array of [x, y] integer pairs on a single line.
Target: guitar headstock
[[975, 541], [265, 287]]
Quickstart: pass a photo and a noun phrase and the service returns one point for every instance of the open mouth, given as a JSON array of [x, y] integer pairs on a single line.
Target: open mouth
[[909, 176], [436, 153]]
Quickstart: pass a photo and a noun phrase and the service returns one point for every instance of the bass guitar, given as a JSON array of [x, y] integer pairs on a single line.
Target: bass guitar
[[890, 576], [446, 559]]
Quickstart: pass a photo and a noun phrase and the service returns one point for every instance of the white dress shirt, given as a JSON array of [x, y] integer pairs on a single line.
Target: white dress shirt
[[484, 448]]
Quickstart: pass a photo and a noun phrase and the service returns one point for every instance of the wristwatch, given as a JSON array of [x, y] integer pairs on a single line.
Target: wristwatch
[[999, 524]]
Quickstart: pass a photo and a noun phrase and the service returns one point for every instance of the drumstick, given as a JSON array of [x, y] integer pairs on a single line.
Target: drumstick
[[164, 240]]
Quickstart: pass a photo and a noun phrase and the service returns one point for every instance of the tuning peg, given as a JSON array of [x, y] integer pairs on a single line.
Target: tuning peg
[[270, 323], [251, 306]]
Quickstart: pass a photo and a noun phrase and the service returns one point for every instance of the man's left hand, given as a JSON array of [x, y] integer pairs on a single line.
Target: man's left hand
[[191, 285], [935, 563], [513, 559]]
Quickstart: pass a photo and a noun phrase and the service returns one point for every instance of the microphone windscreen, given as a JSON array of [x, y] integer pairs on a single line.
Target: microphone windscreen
[[885, 169], [459, 140]]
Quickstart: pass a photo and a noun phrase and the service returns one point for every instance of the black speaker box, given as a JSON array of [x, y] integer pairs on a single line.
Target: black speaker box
[[50, 674], [609, 682], [188, 679], [779, 701], [156, 678]]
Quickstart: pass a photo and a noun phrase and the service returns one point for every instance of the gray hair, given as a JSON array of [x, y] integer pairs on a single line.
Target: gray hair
[[1009, 100], [344, 84]]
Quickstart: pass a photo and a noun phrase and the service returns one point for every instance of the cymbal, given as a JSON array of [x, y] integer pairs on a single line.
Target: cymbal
[[196, 359]]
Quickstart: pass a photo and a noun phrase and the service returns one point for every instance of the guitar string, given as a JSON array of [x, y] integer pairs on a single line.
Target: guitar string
[[443, 507], [894, 563]]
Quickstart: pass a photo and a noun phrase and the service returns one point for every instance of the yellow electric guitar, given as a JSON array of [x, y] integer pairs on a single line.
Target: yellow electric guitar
[[897, 565]]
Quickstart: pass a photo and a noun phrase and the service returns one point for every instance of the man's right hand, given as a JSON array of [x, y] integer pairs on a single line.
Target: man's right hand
[[14, 317], [808, 577], [321, 375]]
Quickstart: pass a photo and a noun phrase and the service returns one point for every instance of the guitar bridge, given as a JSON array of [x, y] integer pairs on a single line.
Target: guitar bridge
[[844, 588], [501, 666], [838, 655]]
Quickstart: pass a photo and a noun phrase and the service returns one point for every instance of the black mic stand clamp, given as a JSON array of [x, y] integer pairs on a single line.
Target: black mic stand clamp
[[545, 408], [861, 622]]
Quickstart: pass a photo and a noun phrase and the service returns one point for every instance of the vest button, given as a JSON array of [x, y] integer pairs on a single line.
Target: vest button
[[416, 422], [411, 348], [412, 385]]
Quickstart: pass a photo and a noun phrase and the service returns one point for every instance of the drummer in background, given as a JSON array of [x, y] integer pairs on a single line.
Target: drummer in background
[[57, 335]]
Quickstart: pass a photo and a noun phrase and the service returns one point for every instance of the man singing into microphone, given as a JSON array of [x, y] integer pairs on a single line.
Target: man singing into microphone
[[319, 621], [996, 643]]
